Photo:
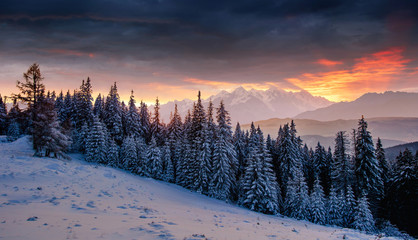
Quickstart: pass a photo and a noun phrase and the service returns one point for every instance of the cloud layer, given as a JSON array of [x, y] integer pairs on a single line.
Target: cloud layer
[[157, 47]]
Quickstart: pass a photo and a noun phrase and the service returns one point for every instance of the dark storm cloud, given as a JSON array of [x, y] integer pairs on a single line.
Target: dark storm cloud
[[224, 40]]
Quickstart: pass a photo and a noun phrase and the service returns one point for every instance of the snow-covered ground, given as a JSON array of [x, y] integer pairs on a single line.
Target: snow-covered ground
[[43, 198]]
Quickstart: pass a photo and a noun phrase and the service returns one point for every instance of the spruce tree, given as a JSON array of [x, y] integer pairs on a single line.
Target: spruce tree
[[363, 219], [317, 204], [13, 131], [297, 198], [112, 156], [141, 150], [224, 160], [96, 149], [348, 208], [145, 124], [157, 128], [3, 116], [113, 115], [342, 171], [132, 119], [239, 144], [129, 156], [367, 171], [168, 169], [154, 164], [334, 205]]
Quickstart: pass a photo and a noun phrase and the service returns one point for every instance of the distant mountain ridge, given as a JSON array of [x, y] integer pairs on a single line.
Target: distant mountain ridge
[[371, 105], [246, 106], [392, 131]]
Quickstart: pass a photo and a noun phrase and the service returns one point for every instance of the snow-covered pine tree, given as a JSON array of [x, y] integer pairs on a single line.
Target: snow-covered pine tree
[[47, 133], [13, 131], [334, 214], [84, 105], [168, 169], [96, 149], [204, 158], [154, 164], [129, 156], [288, 156], [363, 218], [367, 171], [297, 198], [239, 144], [113, 115], [132, 119], [200, 163], [141, 149], [381, 159], [145, 124], [348, 207], [224, 160], [3, 116], [342, 171], [157, 128], [259, 186], [317, 204], [174, 139], [112, 155], [98, 108], [403, 194]]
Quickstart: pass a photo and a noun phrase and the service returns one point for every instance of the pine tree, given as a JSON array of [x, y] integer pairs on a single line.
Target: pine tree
[[381, 159], [334, 205], [98, 108], [129, 156], [288, 156], [175, 134], [363, 219], [239, 145], [3, 116], [342, 172], [224, 161], [84, 107], [316, 204], [112, 156], [367, 171], [155, 164], [348, 208], [96, 148], [145, 124], [113, 115], [259, 186], [157, 128], [141, 150], [31, 91], [13, 131], [168, 169], [297, 198], [132, 119]]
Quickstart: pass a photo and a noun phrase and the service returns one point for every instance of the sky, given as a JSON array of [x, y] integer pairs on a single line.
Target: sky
[[171, 49]]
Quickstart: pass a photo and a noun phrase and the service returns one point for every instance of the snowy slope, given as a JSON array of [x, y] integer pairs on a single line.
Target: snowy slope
[[43, 198], [253, 105]]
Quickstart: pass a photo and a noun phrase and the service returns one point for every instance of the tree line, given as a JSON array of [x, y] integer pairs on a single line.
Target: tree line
[[355, 188]]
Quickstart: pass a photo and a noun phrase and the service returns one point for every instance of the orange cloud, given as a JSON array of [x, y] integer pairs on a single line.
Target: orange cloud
[[373, 72], [328, 63], [71, 53]]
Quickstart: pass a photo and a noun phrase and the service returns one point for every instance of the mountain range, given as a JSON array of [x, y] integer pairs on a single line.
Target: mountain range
[[392, 131], [371, 105], [246, 106]]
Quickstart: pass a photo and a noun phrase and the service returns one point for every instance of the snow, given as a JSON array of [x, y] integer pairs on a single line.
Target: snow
[[44, 198]]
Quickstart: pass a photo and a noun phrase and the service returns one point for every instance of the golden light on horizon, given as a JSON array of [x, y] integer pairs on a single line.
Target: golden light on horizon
[[370, 73]]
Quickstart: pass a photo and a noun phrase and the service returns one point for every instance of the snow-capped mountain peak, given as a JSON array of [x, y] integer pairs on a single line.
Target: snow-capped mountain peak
[[246, 106]]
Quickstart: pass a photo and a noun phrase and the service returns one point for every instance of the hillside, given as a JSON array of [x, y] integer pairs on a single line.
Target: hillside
[[393, 152], [253, 105], [392, 131], [371, 105], [43, 198]]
